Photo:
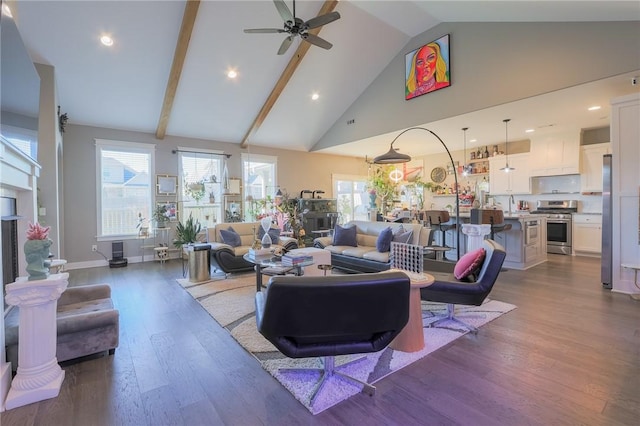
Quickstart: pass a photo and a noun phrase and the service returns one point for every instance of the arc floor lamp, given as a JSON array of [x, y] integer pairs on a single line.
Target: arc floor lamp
[[393, 157]]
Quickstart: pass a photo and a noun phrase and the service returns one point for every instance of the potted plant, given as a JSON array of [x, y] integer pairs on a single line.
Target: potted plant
[[160, 215], [187, 233]]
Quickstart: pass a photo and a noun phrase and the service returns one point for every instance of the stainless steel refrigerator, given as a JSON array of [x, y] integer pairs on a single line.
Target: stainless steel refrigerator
[[606, 269]]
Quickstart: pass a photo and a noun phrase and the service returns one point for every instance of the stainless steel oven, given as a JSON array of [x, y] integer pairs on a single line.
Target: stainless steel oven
[[558, 213], [559, 233]]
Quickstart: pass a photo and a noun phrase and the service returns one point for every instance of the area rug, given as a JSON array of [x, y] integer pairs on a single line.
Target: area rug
[[231, 303]]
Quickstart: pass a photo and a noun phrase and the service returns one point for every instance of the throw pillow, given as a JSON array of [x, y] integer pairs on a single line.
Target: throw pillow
[[383, 243], [231, 237], [469, 264], [345, 236], [274, 233], [404, 237], [398, 230]]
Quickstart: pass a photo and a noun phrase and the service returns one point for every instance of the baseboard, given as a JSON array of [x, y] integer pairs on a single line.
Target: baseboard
[[5, 383]]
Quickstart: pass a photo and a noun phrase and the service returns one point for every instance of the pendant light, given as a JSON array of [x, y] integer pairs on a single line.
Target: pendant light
[[506, 168], [465, 166]]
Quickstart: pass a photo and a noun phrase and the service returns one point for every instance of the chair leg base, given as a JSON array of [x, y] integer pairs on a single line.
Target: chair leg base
[[450, 316], [328, 371]]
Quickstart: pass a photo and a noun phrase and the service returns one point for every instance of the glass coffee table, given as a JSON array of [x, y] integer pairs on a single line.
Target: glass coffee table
[[272, 265]]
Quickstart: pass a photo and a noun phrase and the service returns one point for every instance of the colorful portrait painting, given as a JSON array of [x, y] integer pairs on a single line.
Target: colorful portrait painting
[[427, 68]]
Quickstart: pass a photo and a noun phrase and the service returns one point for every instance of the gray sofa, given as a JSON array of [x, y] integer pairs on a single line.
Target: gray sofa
[[87, 323], [229, 259], [365, 257]]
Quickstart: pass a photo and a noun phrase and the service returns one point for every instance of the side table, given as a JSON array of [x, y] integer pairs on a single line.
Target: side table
[[411, 338]]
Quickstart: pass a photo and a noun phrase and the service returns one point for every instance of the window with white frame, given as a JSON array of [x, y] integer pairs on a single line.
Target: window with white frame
[[125, 187], [351, 196], [202, 179], [259, 175]]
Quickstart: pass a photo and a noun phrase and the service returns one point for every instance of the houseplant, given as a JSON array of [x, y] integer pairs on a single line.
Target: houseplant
[[160, 215], [36, 250], [187, 233]]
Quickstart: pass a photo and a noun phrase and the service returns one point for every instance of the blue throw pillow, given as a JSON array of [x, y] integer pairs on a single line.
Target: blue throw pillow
[[383, 243], [404, 237], [231, 237], [345, 236], [274, 233]]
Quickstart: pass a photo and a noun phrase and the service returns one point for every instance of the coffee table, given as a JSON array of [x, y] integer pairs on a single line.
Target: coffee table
[[411, 338], [272, 265]]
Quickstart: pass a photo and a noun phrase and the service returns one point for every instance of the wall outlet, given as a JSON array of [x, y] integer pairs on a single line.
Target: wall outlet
[[94, 248]]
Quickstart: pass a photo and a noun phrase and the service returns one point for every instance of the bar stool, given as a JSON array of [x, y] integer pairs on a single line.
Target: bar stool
[[496, 220], [438, 219]]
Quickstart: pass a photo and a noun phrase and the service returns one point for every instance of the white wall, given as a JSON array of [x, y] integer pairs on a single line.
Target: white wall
[[491, 64], [625, 147]]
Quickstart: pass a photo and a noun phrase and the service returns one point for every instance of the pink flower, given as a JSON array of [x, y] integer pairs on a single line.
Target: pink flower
[[37, 231]]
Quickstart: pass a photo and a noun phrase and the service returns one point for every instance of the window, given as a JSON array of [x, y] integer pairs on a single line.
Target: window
[[202, 176], [125, 187], [352, 197], [260, 184]]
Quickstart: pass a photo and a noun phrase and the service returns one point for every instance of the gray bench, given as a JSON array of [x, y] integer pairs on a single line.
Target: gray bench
[[87, 323]]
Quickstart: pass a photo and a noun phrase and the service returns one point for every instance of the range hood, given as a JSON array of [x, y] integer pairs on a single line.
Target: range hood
[[565, 184]]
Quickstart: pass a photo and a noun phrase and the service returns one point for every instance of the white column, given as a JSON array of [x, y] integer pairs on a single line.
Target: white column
[[39, 376], [476, 234]]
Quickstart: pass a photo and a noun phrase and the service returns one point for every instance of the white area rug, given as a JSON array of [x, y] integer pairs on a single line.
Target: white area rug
[[231, 303]]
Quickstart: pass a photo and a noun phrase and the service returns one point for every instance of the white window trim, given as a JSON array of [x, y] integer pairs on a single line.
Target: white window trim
[[101, 144]]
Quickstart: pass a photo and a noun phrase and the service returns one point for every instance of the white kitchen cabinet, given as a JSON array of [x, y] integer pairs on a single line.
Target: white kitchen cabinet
[[591, 166], [516, 181], [587, 234], [556, 155]]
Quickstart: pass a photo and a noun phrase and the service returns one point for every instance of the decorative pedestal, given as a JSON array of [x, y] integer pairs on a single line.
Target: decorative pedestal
[[39, 376], [476, 234]]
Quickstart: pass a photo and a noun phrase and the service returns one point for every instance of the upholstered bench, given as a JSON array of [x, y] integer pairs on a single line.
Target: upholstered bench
[[87, 323]]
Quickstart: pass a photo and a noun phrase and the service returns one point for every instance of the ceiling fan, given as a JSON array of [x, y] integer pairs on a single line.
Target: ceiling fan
[[295, 26]]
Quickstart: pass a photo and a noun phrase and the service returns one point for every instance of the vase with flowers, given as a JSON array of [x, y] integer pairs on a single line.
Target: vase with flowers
[[36, 250]]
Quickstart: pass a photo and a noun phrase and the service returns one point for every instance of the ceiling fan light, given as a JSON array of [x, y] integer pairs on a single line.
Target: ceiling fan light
[[392, 157]]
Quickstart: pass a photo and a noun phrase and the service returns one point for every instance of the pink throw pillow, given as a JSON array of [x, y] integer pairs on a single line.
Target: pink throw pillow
[[469, 264]]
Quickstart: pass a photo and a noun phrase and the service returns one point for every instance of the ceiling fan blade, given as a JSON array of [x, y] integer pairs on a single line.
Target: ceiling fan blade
[[321, 20], [264, 30], [285, 45], [317, 41], [283, 10]]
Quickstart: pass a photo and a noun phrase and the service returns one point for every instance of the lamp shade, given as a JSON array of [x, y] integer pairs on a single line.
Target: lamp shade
[[392, 157]]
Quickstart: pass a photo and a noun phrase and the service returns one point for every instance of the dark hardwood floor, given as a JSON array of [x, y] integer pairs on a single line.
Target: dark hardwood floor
[[568, 355]]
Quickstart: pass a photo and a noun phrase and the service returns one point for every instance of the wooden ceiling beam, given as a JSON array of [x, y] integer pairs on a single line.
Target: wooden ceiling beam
[[327, 7], [182, 46]]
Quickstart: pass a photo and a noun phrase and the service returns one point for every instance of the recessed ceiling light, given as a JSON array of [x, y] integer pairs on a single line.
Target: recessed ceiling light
[[530, 130], [315, 96], [232, 74], [6, 11], [473, 140], [106, 40], [594, 108]]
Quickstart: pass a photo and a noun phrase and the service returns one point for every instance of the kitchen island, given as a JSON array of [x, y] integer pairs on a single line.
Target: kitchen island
[[525, 243]]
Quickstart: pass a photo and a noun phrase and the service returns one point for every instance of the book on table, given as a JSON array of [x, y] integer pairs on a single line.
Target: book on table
[[296, 260], [260, 254]]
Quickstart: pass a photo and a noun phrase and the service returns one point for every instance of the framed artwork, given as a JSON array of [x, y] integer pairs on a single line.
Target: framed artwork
[[166, 185], [427, 68], [172, 210]]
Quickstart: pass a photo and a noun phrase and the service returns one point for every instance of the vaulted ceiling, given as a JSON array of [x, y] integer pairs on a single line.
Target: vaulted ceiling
[[166, 71]]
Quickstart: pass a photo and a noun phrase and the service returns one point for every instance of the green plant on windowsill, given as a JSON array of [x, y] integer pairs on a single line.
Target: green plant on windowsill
[[187, 233]]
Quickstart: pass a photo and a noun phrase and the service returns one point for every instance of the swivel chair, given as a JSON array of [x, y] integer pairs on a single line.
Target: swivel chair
[[334, 315], [447, 289]]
